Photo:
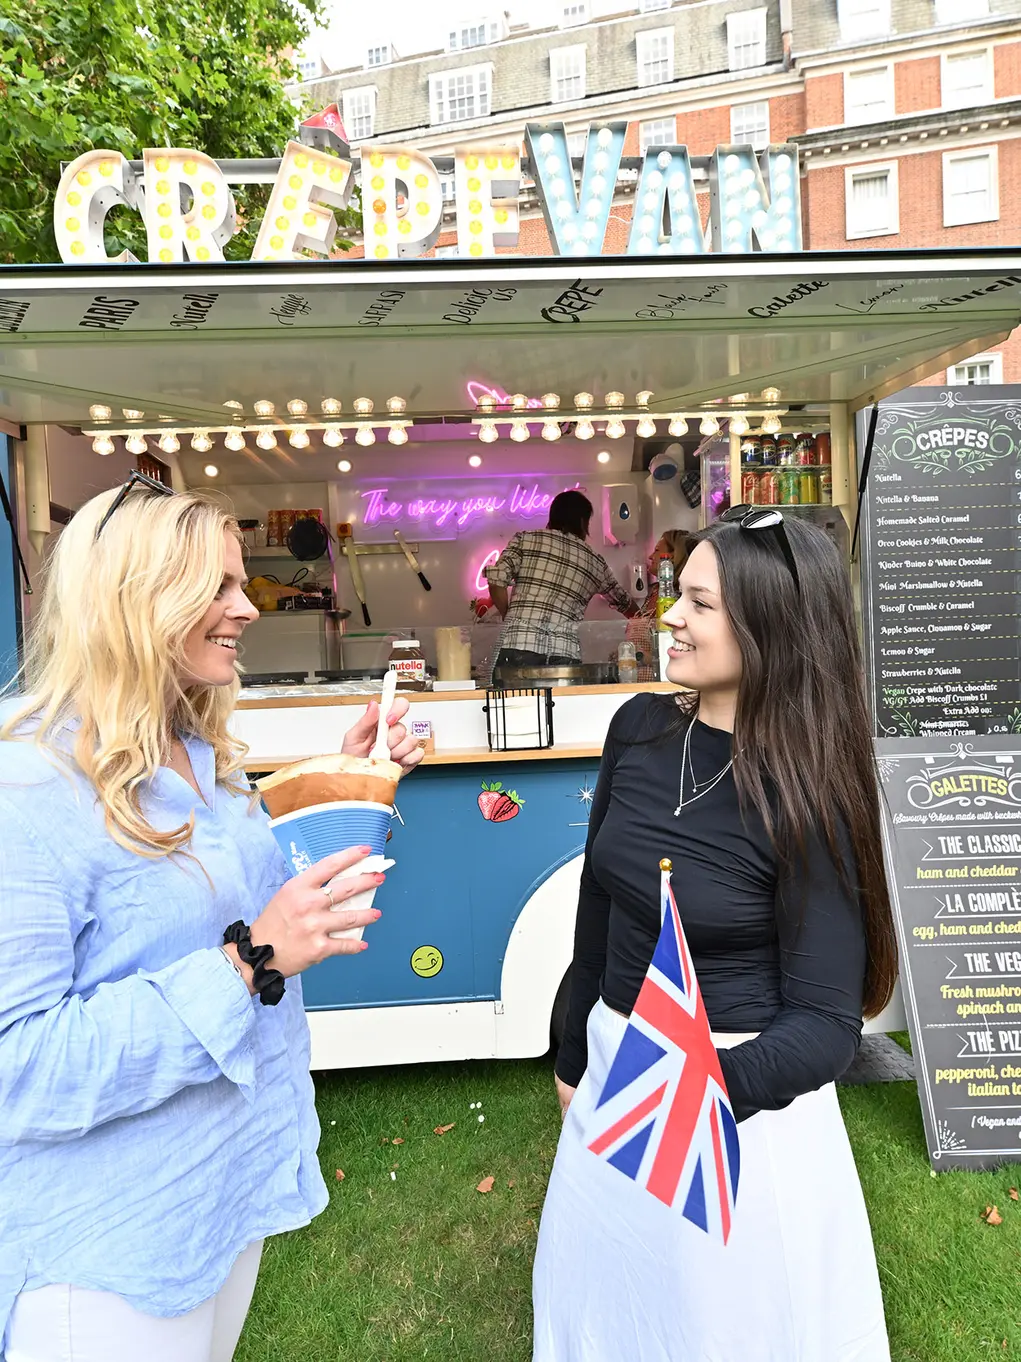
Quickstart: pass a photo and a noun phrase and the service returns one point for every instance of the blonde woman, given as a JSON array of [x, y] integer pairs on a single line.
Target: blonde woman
[[157, 1113]]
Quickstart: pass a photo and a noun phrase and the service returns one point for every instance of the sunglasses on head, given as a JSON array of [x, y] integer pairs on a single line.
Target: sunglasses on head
[[765, 518], [135, 479]]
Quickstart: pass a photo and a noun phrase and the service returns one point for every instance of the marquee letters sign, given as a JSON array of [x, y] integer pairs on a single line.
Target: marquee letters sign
[[183, 196]]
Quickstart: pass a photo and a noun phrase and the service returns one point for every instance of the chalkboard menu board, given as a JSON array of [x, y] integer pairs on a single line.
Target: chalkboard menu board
[[952, 835], [940, 531]]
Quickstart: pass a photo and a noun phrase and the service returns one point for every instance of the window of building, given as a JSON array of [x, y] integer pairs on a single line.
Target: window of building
[[863, 19], [980, 369], [444, 252], [656, 132], [478, 34], [647, 6], [871, 201], [970, 187], [966, 78], [574, 14], [447, 188], [567, 74], [868, 95], [576, 143], [307, 68], [655, 56], [381, 55], [746, 39], [360, 113], [959, 11], [457, 96], [749, 124]]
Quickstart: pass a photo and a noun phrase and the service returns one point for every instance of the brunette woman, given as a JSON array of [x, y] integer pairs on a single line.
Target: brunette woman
[[759, 784], [156, 1112]]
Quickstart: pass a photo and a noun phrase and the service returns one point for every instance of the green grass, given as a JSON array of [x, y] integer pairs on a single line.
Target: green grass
[[425, 1266]]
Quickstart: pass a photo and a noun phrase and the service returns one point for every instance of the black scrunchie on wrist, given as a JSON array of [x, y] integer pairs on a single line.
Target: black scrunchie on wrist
[[268, 983]]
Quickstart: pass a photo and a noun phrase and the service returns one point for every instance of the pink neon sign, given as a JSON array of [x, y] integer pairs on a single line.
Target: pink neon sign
[[481, 581], [477, 389], [459, 511]]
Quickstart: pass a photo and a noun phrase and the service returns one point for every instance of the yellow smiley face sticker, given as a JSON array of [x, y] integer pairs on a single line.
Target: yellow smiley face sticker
[[427, 962]]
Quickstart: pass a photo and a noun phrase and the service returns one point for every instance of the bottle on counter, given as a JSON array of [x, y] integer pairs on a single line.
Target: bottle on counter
[[627, 664], [665, 576], [408, 661]]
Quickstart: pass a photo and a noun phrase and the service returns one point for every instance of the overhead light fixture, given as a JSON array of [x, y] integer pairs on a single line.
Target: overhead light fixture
[[100, 413], [643, 398], [678, 426], [614, 400], [234, 439], [519, 402], [488, 432], [201, 443], [266, 439], [771, 394], [330, 406], [584, 429], [264, 408], [615, 428], [365, 436], [603, 456], [211, 470], [519, 431], [131, 415], [169, 443], [233, 404], [136, 444], [103, 445], [363, 405], [551, 401], [298, 438], [709, 425], [551, 430], [583, 401], [394, 405], [771, 425], [474, 460], [397, 434], [739, 425], [646, 428], [297, 407], [333, 436], [343, 465], [485, 402]]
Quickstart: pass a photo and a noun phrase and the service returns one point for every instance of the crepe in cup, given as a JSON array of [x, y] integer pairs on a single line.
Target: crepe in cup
[[332, 779]]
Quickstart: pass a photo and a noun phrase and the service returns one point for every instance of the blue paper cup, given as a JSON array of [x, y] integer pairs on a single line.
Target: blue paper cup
[[310, 834]]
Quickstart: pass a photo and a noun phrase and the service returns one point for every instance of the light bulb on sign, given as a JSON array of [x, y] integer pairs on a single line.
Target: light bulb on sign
[[201, 443], [584, 429], [130, 414], [100, 413], [488, 432], [343, 465], [395, 405], [169, 443], [614, 400], [397, 434], [646, 428], [519, 402], [551, 430], [297, 407], [615, 428], [678, 426], [298, 438], [739, 425], [103, 445], [643, 398], [603, 456], [583, 401], [333, 436], [234, 440], [298, 217], [211, 470], [363, 405], [330, 406], [771, 394], [551, 401], [771, 425], [365, 436], [519, 431], [264, 408], [266, 439], [474, 460], [136, 444], [709, 425]]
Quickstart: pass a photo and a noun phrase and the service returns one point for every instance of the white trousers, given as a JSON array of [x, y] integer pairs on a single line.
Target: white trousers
[[71, 1324]]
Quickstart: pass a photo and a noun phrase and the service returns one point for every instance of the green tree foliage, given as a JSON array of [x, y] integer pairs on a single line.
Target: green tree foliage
[[131, 74]]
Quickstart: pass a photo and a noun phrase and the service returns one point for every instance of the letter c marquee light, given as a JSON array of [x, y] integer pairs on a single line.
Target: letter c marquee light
[[88, 189]]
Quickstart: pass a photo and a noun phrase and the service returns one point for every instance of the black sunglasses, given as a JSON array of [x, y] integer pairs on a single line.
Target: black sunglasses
[[135, 479], [765, 518]]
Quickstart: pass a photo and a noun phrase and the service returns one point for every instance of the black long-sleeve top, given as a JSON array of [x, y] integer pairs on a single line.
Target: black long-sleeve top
[[783, 955]]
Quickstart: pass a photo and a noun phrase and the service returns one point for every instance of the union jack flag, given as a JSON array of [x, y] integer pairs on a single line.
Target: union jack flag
[[663, 1117]]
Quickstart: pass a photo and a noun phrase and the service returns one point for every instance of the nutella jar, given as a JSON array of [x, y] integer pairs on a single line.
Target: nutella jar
[[408, 661]]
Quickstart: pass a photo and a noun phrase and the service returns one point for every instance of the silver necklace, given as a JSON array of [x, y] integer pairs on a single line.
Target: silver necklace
[[706, 785]]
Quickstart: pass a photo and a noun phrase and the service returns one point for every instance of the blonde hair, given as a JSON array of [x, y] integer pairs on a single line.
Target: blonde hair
[[106, 652]]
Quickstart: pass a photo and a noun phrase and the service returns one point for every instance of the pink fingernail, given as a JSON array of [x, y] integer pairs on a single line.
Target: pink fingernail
[[365, 850], [378, 914], [364, 945], [380, 878]]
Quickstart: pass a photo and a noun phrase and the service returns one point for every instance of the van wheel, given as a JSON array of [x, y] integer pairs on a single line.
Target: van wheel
[[558, 1020]]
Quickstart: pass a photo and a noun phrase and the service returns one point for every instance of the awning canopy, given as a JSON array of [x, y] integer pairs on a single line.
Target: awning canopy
[[177, 342]]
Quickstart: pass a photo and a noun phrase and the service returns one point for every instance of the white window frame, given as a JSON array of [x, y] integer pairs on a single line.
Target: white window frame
[[491, 30], [957, 216], [650, 6], [577, 142], [574, 13], [567, 64], [959, 11], [445, 252], [957, 375], [740, 36], [739, 136], [655, 132], [351, 116], [875, 113], [855, 231], [856, 24], [386, 48], [482, 93], [949, 99], [646, 44]]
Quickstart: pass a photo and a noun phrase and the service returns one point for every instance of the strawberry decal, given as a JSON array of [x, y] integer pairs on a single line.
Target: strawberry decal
[[498, 805]]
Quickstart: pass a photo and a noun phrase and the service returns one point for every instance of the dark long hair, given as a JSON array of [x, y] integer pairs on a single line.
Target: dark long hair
[[570, 512], [802, 723]]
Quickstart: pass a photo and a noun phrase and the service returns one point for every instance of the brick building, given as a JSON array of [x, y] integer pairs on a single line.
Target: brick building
[[907, 112]]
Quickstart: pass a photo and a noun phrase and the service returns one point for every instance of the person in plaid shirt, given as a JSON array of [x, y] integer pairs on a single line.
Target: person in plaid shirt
[[555, 575]]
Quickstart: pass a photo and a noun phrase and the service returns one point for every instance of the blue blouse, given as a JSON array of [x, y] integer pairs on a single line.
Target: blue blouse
[[155, 1119]]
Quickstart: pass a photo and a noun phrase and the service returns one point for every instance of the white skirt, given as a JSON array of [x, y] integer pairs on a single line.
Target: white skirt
[[620, 1277]]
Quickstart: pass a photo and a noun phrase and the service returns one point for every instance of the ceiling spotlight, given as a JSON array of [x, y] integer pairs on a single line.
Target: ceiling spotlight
[[603, 456], [363, 405], [298, 438], [201, 443], [584, 429], [330, 406], [739, 425], [583, 401], [266, 439], [615, 428], [234, 439], [771, 425], [646, 428], [100, 413], [210, 470], [394, 405], [678, 426], [551, 401], [169, 443], [474, 460], [614, 400], [264, 408], [131, 415], [365, 436], [519, 431], [643, 398], [709, 425], [136, 444], [333, 436], [344, 466], [519, 402], [297, 407], [397, 434], [551, 430], [102, 444], [771, 394]]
